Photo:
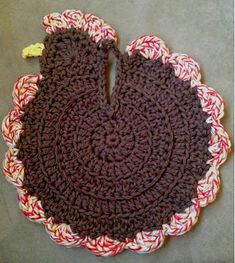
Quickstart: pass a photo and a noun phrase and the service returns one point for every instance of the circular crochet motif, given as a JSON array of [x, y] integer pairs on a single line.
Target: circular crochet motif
[[111, 169], [112, 173]]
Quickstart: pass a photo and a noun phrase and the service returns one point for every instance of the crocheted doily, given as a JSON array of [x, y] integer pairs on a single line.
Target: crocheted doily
[[119, 172]]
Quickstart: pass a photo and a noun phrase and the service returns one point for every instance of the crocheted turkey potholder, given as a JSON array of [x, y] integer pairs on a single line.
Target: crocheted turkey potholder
[[112, 173]]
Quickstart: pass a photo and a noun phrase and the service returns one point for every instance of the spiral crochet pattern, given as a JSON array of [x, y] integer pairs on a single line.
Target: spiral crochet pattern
[[113, 173]]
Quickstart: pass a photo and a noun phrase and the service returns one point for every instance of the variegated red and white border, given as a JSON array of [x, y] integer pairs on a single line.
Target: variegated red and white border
[[151, 47]]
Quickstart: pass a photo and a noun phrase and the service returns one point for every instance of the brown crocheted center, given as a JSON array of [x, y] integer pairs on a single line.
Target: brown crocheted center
[[111, 168]]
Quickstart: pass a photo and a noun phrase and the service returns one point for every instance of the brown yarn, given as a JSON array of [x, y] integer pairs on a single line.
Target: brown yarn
[[111, 168]]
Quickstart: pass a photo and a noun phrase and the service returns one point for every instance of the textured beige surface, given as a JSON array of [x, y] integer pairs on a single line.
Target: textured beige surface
[[200, 28]]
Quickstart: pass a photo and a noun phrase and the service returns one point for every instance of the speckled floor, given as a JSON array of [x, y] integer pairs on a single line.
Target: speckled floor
[[202, 29]]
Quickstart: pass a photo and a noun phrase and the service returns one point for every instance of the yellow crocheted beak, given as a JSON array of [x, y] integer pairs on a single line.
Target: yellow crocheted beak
[[34, 50]]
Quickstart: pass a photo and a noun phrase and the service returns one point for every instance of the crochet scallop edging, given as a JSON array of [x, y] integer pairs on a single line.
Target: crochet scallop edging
[[186, 69]]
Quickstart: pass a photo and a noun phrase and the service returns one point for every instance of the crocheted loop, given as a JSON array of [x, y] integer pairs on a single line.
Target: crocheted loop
[[112, 46], [185, 67], [211, 102], [13, 169], [103, 246], [73, 17], [93, 25], [25, 89], [62, 233], [12, 127], [146, 242], [150, 46], [208, 188], [182, 222], [31, 207], [54, 21], [220, 144]]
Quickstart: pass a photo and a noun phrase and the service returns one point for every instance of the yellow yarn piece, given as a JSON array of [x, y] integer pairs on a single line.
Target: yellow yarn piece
[[34, 50]]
